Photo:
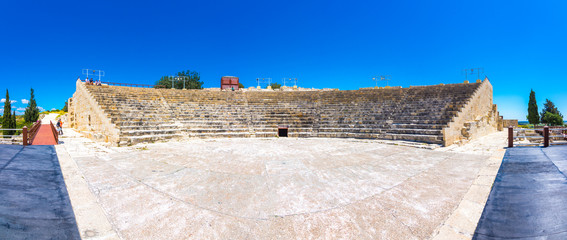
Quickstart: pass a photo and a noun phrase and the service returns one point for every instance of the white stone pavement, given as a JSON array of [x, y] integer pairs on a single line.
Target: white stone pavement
[[277, 188]]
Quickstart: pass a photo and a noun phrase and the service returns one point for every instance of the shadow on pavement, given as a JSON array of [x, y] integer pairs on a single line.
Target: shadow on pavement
[[529, 196], [34, 200]]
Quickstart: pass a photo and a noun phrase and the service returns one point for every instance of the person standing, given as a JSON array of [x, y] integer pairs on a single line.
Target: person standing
[[60, 127]]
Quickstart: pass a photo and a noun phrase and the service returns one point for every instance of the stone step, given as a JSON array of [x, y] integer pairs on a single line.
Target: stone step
[[149, 127], [129, 140], [415, 131], [215, 130], [415, 137], [220, 135], [149, 132]]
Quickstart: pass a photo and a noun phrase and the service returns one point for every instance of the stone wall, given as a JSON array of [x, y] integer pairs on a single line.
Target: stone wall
[[510, 122], [87, 116], [477, 118]]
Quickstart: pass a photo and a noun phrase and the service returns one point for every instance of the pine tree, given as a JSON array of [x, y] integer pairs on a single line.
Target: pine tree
[[32, 111], [7, 117], [550, 114], [192, 80], [533, 116]]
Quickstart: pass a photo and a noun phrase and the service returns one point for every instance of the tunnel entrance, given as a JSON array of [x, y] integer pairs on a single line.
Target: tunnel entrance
[[282, 131]]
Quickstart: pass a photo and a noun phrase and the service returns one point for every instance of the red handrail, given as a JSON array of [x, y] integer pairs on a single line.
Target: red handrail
[[33, 131], [55, 133]]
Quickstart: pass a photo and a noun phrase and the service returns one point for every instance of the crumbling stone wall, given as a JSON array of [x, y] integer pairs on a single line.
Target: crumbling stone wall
[[510, 122], [87, 116], [477, 118]]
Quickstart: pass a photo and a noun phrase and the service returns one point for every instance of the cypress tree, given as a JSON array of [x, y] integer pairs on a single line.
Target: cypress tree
[[7, 117], [32, 111], [66, 107], [533, 116], [13, 122]]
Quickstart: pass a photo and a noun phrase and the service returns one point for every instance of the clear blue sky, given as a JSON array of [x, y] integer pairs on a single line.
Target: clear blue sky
[[335, 44]]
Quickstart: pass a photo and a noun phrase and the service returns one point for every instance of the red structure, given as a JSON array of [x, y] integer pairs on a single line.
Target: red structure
[[229, 82]]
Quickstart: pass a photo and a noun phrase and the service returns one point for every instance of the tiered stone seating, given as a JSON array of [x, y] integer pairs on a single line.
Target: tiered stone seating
[[414, 114], [209, 114], [270, 110], [140, 114]]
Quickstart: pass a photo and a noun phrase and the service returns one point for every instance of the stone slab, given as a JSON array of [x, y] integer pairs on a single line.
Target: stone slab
[[274, 188]]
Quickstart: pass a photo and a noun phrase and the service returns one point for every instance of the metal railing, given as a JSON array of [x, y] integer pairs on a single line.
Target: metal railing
[[130, 84], [535, 137], [24, 136], [12, 138]]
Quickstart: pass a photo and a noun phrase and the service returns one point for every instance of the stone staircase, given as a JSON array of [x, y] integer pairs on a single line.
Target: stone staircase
[[412, 114]]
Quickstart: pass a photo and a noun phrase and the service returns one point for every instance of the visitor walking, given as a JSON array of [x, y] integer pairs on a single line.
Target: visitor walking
[[60, 127]]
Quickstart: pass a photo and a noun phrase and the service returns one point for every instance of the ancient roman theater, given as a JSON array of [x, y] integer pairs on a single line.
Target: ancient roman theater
[[384, 163], [442, 114]]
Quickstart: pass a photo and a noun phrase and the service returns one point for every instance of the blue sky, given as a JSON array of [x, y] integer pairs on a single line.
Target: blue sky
[[325, 44]]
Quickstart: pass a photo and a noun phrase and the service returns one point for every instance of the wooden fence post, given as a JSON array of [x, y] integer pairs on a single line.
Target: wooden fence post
[[510, 136], [546, 136], [25, 135]]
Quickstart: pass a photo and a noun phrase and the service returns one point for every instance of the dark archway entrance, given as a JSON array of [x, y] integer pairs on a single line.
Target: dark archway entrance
[[282, 131]]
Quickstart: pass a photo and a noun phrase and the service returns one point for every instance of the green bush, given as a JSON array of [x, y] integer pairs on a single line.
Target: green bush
[[553, 119]]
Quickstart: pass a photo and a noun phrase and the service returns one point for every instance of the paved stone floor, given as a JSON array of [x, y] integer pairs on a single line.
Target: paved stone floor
[[277, 188], [529, 197], [34, 203]]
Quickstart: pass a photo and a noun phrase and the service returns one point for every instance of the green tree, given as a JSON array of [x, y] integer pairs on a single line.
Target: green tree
[[13, 122], [32, 111], [552, 119], [7, 117], [66, 107], [240, 85], [275, 85], [549, 107], [533, 116], [192, 80]]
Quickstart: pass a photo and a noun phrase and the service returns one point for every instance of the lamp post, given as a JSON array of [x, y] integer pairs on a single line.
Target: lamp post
[[381, 78]]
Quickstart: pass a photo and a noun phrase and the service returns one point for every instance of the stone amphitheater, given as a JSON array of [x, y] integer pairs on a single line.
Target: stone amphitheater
[[439, 114], [144, 163]]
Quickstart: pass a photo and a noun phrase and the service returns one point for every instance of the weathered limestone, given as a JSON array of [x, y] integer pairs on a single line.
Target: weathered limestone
[[510, 122], [441, 114], [88, 116], [478, 117], [276, 188]]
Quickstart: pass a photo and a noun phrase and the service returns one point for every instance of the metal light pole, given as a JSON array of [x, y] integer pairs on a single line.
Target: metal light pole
[[263, 80], [381, 78], [385, 78], [180, 78], [290, 80], [98, 73], [471, 71]]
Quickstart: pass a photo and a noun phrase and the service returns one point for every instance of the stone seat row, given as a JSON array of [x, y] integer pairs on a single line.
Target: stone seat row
[[417, 113]]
